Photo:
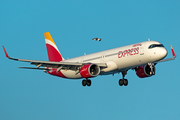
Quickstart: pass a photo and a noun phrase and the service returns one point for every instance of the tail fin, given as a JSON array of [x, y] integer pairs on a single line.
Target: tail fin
[[52, 50]]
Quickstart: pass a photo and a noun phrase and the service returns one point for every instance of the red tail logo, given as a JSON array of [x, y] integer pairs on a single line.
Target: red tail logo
[[52, 50]]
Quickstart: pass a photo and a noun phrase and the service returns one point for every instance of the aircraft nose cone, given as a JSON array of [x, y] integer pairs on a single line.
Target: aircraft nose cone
[[163, 53]]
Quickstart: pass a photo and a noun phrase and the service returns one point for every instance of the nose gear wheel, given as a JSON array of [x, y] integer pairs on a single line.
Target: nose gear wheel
[[151, 65]]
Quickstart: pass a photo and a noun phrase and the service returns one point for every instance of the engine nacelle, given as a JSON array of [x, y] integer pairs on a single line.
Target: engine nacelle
[[144, 71], [89, 70]]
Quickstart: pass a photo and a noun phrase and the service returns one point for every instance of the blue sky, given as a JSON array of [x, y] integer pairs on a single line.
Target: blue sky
[[34, 95]]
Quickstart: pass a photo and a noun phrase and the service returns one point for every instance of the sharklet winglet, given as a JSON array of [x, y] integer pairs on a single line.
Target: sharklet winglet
[[5, 52], [173, 53]]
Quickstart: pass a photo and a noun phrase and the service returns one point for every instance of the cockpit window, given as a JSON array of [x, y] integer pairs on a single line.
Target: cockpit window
[[155, 45]]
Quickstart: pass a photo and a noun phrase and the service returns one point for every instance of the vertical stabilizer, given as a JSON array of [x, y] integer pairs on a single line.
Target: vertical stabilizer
[[52, 50]]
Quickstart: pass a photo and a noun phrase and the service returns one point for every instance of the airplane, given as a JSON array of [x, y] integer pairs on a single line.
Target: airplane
[[97, 39], [141, 57]]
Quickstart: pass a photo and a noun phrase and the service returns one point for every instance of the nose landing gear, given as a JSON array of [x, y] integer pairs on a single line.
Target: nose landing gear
[[152, 71]]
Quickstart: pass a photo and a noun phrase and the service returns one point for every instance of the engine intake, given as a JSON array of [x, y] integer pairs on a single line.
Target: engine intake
[[145, 71], [89, 70]]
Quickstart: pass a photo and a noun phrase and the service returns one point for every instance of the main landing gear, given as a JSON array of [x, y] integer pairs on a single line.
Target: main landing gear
[[86, 82], [123, 81]]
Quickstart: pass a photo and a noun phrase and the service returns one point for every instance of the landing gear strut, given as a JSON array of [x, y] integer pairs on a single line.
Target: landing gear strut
[[151, 65], [86, 82], [123, 81]]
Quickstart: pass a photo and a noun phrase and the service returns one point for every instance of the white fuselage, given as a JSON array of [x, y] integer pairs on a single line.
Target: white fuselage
[[121, 58]]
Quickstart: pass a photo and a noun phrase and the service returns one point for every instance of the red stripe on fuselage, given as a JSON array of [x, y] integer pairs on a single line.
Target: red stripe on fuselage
[[53, 54]]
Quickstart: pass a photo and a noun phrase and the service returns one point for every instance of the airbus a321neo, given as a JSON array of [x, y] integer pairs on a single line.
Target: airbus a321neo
[[141, 57]]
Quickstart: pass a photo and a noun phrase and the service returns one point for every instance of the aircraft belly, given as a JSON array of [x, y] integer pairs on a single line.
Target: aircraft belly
[[127, 62], [71, 74]]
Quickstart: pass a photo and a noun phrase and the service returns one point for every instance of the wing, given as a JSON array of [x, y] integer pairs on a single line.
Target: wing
[[49, 65]]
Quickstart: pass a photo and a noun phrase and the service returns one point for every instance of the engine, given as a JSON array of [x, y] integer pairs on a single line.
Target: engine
[[145, 71], [89, 70]]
